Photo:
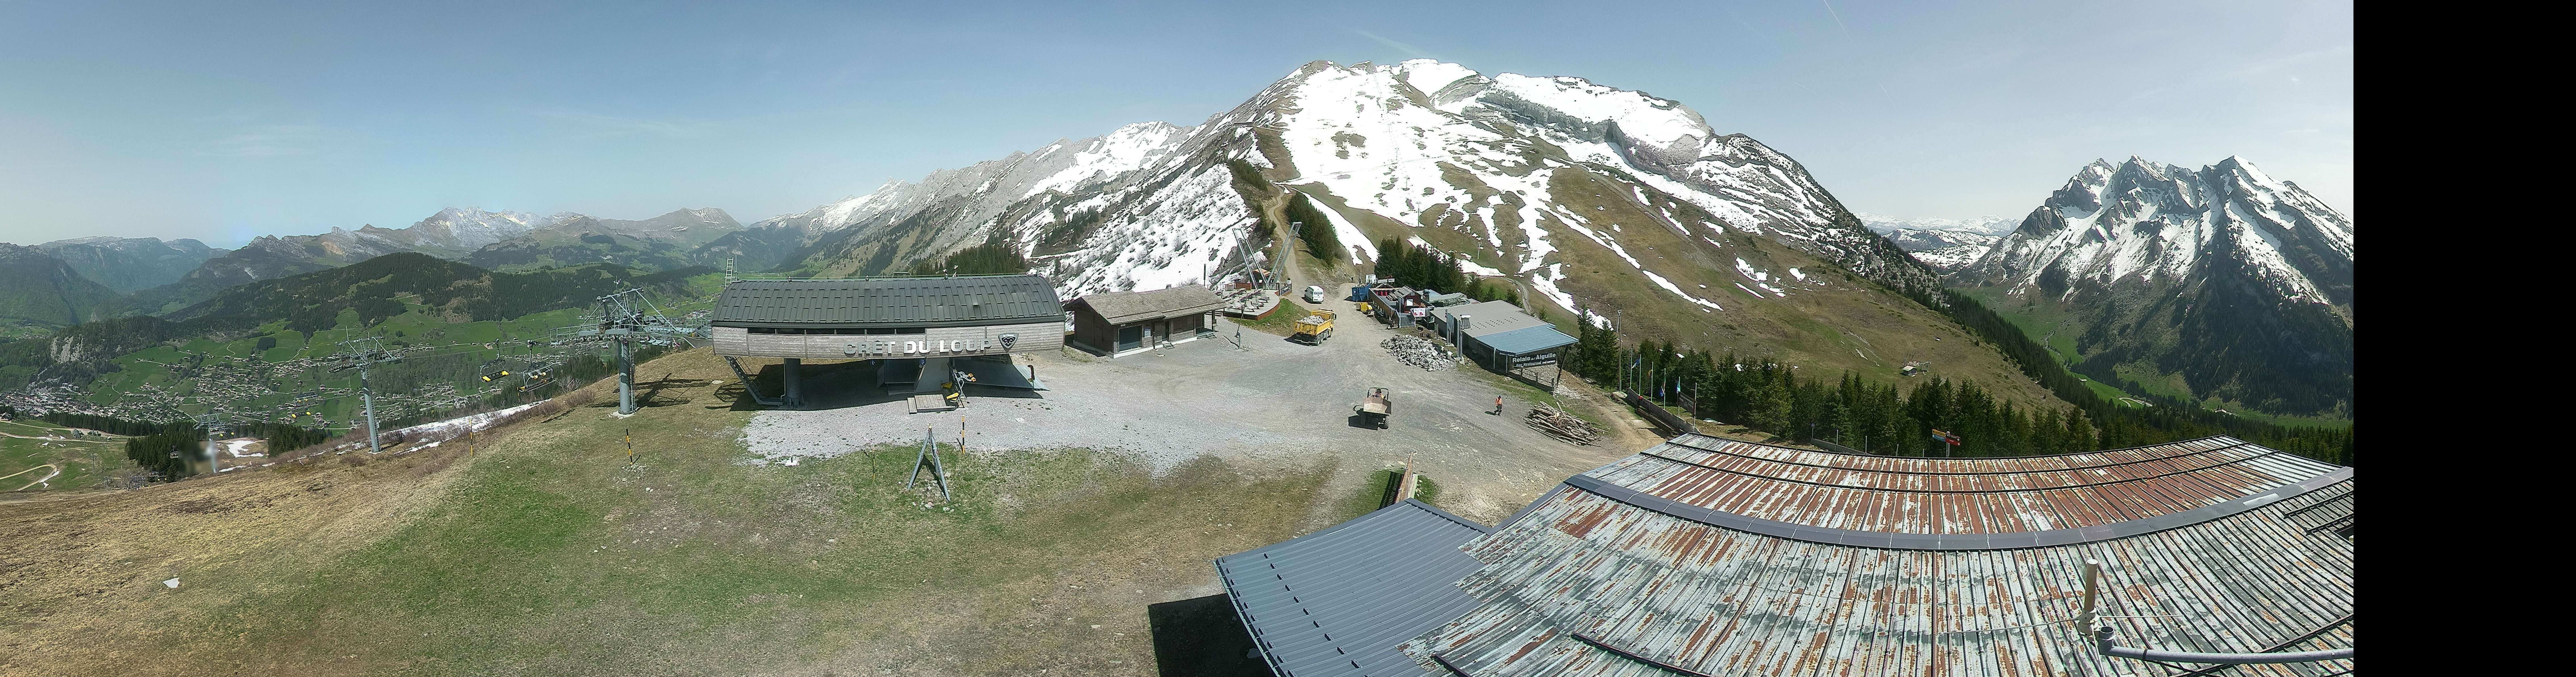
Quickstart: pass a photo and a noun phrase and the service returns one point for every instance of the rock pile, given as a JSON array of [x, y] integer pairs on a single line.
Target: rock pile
[[1420, 352]]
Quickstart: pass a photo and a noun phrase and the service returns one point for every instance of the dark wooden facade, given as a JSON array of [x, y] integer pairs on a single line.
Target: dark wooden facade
[[1122, 322]]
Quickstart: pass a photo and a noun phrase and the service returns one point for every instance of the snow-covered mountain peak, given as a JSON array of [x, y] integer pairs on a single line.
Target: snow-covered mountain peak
[[2158, 224], [2237, 282], [1982, 225], [1423, 144], [1431, 75], [469, 228]]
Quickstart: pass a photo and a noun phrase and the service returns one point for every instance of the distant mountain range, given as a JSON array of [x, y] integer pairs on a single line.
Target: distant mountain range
[[2218, 282], [1943, 244], [1584, 197], [1613, 205], [129, 264], [150, 276], [38, 291]]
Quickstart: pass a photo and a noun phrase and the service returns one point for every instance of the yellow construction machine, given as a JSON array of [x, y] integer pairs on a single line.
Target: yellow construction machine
[[1316, 326]]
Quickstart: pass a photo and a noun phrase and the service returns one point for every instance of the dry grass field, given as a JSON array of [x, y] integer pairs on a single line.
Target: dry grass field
[[1079, 540], [549, 551]]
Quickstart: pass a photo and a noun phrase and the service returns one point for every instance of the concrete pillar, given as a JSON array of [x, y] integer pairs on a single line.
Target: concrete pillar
[[795, 397]]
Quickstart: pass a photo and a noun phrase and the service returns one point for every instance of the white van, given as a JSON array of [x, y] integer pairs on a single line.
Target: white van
[[1314, 294]]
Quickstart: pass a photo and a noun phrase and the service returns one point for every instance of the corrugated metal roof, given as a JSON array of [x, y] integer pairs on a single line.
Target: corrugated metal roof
[[1491, 317], [1131, 306], [1955, 496], [1525, 340], [1341, 600], [888, 302], [2267, 570]]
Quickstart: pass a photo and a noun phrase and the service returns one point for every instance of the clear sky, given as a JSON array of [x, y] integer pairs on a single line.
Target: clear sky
[[186, 119]]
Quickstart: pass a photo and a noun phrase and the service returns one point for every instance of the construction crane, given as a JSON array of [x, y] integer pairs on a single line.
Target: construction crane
[[622, 320]]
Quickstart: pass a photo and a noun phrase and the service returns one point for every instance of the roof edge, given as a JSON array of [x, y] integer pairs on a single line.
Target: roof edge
[[1416, 503], [1900, 541]]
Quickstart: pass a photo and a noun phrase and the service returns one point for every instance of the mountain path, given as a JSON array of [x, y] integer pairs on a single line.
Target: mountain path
[[57, 472]]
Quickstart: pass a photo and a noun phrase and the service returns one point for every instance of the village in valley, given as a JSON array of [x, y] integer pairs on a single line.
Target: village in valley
[[1182, 343]]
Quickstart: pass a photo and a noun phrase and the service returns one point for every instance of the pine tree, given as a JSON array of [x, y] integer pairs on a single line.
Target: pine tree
[[1315, 228], [1771, 408]]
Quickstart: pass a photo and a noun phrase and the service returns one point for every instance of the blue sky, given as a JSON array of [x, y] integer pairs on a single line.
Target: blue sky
[[187, 120]]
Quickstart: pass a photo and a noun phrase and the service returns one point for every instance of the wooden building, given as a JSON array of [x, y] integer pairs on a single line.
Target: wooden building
[[1118, 323]]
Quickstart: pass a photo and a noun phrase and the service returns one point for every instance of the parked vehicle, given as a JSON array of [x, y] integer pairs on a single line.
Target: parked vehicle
[[1312, 329], [1374, 407]]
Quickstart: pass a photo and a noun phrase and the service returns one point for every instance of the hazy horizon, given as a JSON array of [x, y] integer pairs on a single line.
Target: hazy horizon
[[219, 124]]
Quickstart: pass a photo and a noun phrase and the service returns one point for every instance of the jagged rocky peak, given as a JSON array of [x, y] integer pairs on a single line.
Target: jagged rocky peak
[[2239, 283], [2140, 222], [1423, 143]]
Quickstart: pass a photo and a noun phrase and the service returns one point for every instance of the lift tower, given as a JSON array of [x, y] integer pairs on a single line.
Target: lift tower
[[211, 426], [622, 320], [361, 353]]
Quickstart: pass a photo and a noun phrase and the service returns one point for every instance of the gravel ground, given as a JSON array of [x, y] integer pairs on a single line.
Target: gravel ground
[[1278, 401]]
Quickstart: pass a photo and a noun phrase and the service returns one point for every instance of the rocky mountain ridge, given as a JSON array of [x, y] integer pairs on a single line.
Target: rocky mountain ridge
[[2220, 281], [127, 264], [1587, 198]]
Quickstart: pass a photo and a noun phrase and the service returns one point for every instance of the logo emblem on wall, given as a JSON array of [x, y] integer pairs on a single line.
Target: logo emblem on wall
[[1008, 339]]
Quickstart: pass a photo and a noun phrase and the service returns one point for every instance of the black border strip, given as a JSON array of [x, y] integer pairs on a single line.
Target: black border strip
[[1899, 541]]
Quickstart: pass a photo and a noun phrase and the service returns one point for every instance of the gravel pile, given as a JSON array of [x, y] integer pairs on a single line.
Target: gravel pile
[[1420, 352]]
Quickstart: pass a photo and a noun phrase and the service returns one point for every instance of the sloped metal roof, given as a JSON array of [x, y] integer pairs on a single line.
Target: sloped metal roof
[[888, 302], [1491, 317], [1734, 558], [1525, 340], [1131, 306], [1341, 600]]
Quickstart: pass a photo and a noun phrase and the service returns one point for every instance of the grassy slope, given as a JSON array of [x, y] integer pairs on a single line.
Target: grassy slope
[[1282, 320], [551, 552], [418, 325], [38, 292], [1853, 326], [84, 461], [2054, 326]]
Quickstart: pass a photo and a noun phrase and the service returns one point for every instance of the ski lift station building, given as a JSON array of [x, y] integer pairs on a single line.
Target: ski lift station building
[[908, 325], [1705, 556], [888, 317]]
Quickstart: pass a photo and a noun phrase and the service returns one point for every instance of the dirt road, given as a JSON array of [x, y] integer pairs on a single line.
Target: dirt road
[[1277, 400]]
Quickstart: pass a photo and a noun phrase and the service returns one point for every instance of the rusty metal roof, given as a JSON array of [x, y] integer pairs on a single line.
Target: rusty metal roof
[[1341, 600], [1729, 558], [965, 300], [1954, 496]]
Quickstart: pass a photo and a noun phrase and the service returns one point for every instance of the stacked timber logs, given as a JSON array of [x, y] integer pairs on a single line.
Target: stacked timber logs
[[1558, 424]]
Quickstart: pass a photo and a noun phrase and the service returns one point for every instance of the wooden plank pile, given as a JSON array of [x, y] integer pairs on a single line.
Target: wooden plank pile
[[1556, 423]]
